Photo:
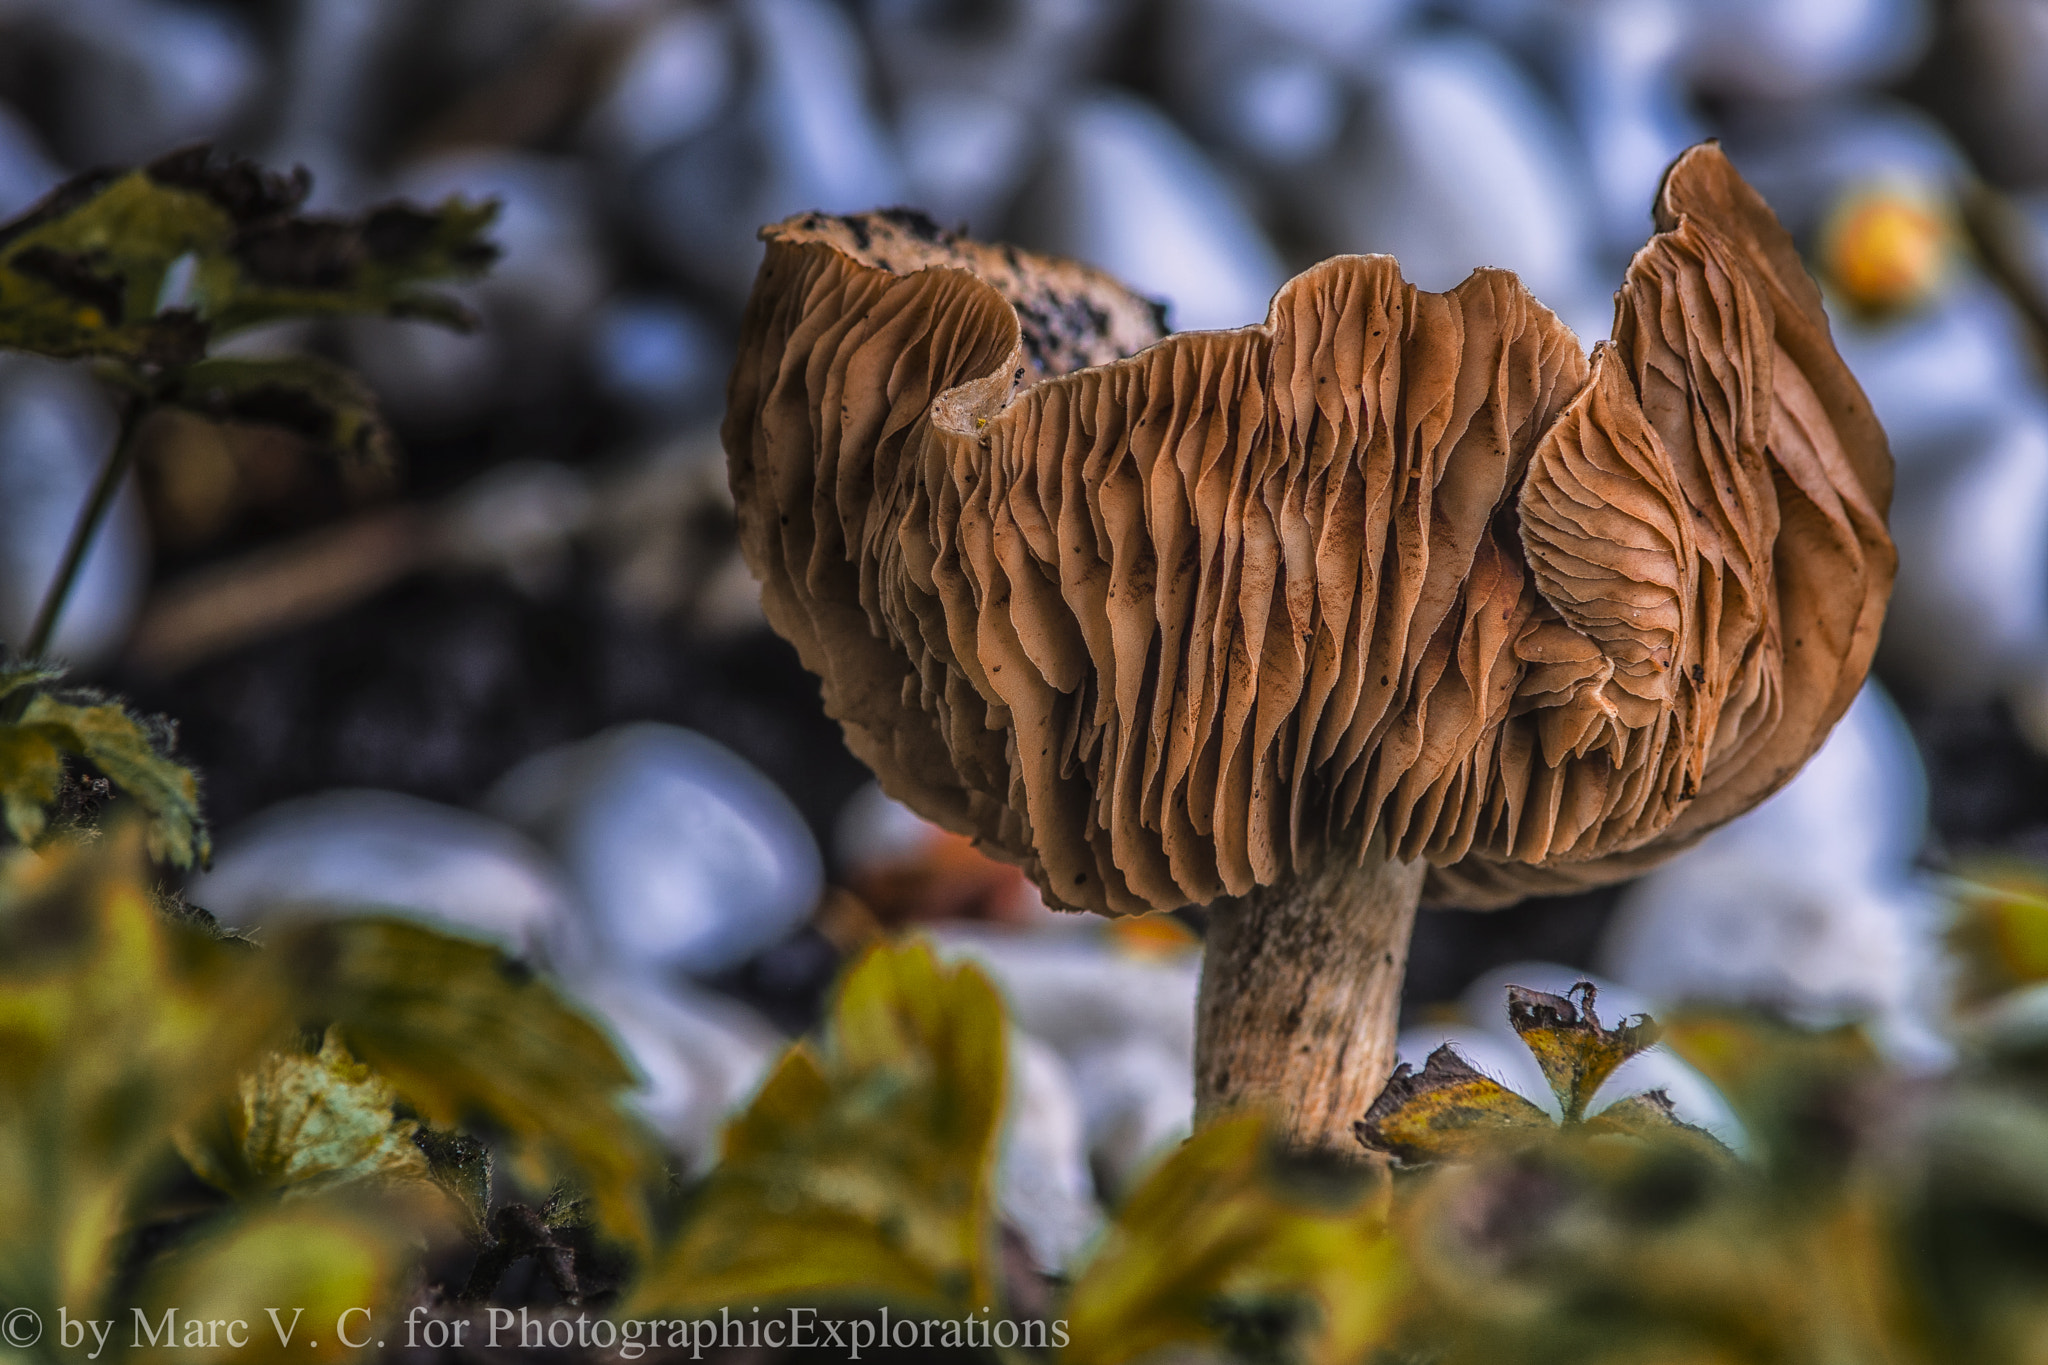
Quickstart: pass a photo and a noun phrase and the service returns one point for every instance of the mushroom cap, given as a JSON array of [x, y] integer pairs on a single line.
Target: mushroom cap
[[1165, 626]]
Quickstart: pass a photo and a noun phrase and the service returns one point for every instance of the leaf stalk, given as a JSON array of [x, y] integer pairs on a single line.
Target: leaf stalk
[[87, 529]]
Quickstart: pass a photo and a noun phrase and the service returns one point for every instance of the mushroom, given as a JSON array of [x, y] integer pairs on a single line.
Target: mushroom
[[1396, 594]]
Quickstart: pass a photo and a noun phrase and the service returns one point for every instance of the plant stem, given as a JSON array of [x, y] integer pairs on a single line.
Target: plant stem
[[1301, 997], [87, 529]]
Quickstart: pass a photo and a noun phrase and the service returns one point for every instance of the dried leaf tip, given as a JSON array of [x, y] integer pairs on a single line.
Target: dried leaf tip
[[1564, 1035]]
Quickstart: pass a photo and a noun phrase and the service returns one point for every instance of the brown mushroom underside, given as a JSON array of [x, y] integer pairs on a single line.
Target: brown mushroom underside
[[1164, 628]]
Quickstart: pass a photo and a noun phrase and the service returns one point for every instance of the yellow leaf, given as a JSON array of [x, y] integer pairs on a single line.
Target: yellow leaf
[[39, 728], [1447, 1112], [865, 1175], [1210, 1237], [2000, 932], [1575, 1053], [116, 1028], [298, 1283]]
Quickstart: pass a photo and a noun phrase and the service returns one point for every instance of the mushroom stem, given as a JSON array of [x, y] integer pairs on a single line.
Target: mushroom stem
[[1301, 997]]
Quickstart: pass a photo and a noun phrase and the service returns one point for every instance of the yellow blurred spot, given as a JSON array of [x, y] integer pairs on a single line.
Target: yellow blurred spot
[[1886, 249], [1152, 935]]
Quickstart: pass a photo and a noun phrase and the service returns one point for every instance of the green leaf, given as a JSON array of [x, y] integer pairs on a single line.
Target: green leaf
[[144, 267], [461, 1030], [106, 735], [369, 265], [1211, 1234], [301, 1124], [310, 397], [1447, 1112], [1785, 1083], [864, 1175], [1564, 1035], [80, 272]]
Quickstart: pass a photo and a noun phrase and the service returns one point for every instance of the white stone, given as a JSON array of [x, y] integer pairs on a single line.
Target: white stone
[[804, 134], [1941, 378], [1458, 161], [1770, 49], [1124, 1025], [688, 858], [1024, 51], [678, 79], [150, 76], [327, 85], [659, 359], [1803, 159], [1043, 1185], [971, 89], [57, 428], [700, 1056], [1618, 59], [518, 519], [26, 171], [1125, 190], [964, 153], [1809, 903], [360, 852], [1138, 1103], [1858, 807], [874, 829], [1077, 991], [1286, 110], [1970, 608]]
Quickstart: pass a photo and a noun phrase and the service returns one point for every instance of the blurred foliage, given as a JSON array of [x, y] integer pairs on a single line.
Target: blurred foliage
[[470, 1035], [146, 267], [863, 1171], [1219, 1251], [1878, 1218], [142, 271], [2001, 928], [1612, 1242], [1875, 1217], [131, 1038]]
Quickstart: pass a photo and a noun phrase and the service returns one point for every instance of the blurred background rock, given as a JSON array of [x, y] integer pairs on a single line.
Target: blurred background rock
[[524, 686]]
